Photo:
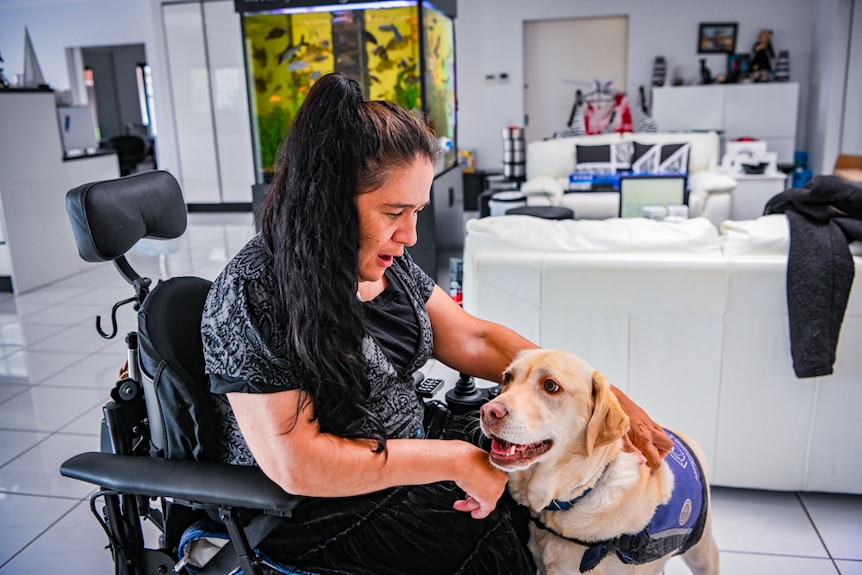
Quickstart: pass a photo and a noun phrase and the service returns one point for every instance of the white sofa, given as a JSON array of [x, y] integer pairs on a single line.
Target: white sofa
[[550, 162], [693, 325]]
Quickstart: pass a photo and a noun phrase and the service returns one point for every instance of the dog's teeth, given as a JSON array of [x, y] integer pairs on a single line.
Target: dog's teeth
[[511, 450]]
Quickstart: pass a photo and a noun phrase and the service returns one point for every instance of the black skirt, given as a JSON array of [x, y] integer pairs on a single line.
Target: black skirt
[[405, 530]]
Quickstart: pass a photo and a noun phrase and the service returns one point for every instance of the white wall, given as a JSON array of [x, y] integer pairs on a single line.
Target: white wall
[[831, 33], [55, 25], [851, 142], [490, 40]]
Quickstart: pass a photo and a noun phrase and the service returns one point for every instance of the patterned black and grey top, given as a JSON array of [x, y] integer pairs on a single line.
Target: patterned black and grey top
[[245, 350]]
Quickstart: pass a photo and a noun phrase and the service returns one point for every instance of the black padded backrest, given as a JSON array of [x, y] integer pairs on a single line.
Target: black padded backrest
[[109, 217], [171, 356]]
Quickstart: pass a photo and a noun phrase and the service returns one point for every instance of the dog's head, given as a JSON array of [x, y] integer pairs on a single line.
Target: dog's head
[[553, 404]]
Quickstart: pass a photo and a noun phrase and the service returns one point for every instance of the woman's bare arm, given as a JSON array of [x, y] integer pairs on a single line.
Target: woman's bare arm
[[485, 349], [304, 461], [469, 344]]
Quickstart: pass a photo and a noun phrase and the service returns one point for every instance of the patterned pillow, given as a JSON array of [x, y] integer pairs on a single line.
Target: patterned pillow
[[660, 158], [603, 159]]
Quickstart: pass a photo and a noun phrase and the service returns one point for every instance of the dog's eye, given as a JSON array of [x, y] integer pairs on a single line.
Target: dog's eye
[[551, 386], [507, 378]]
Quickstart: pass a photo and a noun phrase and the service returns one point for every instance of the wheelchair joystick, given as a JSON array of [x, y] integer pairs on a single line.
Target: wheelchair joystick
[[465, 397]]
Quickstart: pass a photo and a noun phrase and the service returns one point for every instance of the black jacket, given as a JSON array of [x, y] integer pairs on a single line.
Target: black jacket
[[824, 217]]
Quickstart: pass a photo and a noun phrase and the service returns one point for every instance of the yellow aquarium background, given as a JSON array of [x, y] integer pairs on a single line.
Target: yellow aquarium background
[[378, 46], [440, 79]]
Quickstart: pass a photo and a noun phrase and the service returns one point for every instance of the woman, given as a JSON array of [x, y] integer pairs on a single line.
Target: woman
[[311, 335]]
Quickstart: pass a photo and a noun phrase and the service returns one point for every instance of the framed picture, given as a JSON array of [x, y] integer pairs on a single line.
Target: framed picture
[[717, 38]]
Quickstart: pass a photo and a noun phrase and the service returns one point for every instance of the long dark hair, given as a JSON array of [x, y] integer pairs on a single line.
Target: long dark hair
[[339, 145]]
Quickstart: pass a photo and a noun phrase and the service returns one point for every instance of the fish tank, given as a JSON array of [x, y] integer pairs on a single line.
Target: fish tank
[[401, 51]]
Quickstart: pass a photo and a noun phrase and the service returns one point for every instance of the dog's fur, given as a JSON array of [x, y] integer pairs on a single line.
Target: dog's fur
[[566, 428]]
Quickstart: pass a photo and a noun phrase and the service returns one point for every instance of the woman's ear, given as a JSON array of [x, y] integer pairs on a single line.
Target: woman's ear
[[608, 421]]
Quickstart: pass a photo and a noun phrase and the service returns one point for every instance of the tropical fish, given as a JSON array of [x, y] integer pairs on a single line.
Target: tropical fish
[[277, 32], [291, 51], [324, 43], [259, 84], [394, 45], [372, 78], [315, 75], [380, 52], [369, 37], [259, 55], [316, 53], [392, 28], [298, 65], [384, 65]]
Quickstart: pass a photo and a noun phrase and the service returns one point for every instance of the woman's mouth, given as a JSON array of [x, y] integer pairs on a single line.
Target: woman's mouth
[[384, 260]]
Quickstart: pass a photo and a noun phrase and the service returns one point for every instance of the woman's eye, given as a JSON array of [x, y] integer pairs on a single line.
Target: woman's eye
[[551, 386]]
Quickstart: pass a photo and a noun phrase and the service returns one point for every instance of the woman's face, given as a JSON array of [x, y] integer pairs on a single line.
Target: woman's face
[[387, 216]]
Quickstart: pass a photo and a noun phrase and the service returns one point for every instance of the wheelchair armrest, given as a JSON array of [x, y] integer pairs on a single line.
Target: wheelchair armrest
[[195, 482]]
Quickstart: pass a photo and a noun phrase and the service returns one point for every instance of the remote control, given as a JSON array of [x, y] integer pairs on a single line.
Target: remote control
[[429, 386]]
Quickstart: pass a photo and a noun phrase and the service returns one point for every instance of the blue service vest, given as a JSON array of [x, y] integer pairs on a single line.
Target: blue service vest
[[674, 528]]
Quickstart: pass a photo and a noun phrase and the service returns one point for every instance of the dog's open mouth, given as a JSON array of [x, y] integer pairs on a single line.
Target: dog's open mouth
[[504, 453]]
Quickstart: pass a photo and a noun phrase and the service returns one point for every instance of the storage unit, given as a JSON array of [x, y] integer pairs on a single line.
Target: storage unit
[[765, 111], [37, 246]]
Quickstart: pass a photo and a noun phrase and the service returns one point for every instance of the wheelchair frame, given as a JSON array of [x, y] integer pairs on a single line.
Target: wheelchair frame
[[140, 460], [108, 219]]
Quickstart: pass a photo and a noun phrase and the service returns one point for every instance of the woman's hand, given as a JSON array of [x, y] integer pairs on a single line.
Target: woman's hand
[[645, 435], [482, 482]]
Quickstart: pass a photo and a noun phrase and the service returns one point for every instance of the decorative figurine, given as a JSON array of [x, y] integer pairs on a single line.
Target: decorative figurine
[[705, 72], [761, 63]]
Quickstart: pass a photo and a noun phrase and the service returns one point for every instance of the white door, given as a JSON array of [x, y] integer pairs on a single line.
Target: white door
[[562, 56]]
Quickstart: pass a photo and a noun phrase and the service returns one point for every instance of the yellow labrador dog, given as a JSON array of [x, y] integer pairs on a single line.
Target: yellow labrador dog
[[557, 429]]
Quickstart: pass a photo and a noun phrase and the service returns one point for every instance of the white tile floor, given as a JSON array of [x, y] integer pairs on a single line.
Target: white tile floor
[[55, 373]]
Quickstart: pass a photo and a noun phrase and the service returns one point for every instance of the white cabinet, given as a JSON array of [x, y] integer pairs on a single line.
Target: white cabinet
[[765, 111], [752, 193], [39, 246], [207, 72]]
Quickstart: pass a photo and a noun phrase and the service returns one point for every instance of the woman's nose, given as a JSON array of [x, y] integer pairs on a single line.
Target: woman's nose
[[406, 233]]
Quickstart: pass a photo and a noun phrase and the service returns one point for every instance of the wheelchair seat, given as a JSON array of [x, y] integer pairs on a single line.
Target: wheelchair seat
[[159, 457]]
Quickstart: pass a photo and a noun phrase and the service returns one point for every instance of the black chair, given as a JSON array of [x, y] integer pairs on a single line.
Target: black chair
[[159, 431], [131, 151]]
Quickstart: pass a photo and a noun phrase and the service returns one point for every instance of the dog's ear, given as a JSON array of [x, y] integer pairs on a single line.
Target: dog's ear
[[608, 421]]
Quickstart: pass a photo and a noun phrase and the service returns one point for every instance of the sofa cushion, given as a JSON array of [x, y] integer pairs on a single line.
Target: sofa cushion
[[556, 157], [705, 146], [631, 235], [766, 235], [661, 158], [603, 159]]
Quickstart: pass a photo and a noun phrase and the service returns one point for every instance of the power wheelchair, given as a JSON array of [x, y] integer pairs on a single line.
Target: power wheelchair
[[159, 432]]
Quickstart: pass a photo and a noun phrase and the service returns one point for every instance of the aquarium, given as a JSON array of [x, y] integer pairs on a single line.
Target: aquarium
[[439, 62], [398, 51]]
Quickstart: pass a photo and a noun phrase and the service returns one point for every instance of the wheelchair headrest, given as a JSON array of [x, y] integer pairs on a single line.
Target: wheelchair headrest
[[109, 217]]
